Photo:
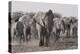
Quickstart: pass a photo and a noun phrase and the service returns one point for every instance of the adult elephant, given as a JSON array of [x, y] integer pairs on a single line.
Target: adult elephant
[[20, 30], [74, 26], [67, 21], [44, 24], [48, 20], [57, 28], [27, 21], [40, 26], [74, 30]]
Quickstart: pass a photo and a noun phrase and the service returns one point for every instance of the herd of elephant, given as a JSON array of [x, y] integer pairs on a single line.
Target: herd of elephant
[[45, 24]]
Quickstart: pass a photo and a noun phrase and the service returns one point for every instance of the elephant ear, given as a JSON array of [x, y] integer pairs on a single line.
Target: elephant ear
[[38, 18], [43, 22], [57, 22]]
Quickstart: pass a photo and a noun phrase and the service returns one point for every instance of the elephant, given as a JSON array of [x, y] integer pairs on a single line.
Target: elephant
[[40, 27], [64, 25], [27, 21], [28, 33], [74, 26], [44, 22], [48, 21], [57, 28], [68, 25], [20, 30]]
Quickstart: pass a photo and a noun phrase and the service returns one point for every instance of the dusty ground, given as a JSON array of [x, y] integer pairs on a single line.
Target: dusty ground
[[33, 45]]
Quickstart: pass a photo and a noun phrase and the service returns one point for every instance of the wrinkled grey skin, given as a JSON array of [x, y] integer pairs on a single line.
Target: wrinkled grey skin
[[20, 30], [45, 25], [49, 25]]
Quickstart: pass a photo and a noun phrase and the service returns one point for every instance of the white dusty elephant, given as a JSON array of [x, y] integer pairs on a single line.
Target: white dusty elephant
[[57, 28], [40, 27]]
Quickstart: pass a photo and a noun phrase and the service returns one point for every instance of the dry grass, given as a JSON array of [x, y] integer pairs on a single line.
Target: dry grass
[[61, 44]]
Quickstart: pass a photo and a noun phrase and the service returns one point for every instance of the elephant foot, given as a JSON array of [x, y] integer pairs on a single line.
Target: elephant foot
[[41, 44], [46, 44], [67, 36]]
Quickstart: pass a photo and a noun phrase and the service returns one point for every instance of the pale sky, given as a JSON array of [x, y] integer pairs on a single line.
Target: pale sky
[[63, 9]]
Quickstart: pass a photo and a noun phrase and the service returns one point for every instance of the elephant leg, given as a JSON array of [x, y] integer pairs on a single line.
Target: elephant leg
[[47, 40], [41, 43], [68, 33], [20, 38], [57, 34], [30, 37], [74, 32], [23, 37], [14, 34], [63, 31], [27, 37]]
